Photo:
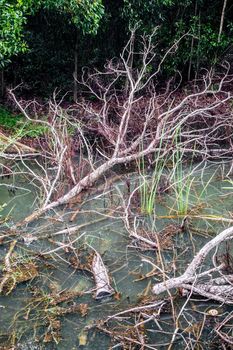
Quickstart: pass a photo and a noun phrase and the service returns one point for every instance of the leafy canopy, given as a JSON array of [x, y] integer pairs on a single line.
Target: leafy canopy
[[84, 14], [12, 19]]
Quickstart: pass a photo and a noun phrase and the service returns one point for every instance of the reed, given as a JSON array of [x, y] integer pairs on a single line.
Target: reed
[[149, 184], [181, 179]]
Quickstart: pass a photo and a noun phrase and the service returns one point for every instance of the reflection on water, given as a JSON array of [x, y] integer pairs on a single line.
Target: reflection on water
[[45, 313]]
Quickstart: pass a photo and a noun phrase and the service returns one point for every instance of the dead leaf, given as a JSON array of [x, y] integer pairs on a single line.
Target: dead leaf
[[82, 339]]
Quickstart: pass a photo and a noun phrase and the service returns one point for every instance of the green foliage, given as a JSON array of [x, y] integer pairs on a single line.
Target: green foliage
[[7, 119], [30, 129], [199, 20], [19, 126], [146, 14], [13, 16], [84, 14], [47, 31]]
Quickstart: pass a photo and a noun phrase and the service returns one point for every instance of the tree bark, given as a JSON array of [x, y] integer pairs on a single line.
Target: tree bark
[[222, 20], [75, 92], [191, 275]]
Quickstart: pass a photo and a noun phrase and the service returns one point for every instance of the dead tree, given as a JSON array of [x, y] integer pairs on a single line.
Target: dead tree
[[156, 117], [219, 289]]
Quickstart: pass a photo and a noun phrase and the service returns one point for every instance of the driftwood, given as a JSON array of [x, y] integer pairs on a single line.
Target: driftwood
[[146, 240], [221, 292], [220, 287], [143, 243], [102, 281]]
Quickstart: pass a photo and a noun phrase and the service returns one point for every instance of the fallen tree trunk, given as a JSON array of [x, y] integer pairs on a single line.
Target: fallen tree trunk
[[102, 281], [157, 127], [191, 275], [86, 182]]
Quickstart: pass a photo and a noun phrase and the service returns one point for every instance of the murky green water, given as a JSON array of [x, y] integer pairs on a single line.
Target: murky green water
[[26, 317]]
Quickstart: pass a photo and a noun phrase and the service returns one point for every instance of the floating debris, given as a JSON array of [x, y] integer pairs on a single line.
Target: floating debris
[[16, 270], [103, 287], [82, 339], [213, 312]]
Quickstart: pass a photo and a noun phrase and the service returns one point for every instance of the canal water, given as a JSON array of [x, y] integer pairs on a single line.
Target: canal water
[[55, 308]]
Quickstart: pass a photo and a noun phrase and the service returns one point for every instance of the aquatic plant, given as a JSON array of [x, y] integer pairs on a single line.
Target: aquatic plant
[[151, 185], [182, 185], [181, 180], [191, 195]]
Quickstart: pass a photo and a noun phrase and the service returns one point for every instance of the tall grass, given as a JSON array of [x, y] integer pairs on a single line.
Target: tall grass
[[149, 185], [181, 180], [182, 186], [181, 177]]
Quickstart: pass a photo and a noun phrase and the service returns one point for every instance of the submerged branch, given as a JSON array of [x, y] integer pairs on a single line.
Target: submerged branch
[[191, 275]]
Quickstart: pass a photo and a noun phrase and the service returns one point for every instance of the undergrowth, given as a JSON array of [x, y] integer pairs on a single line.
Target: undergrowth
[[18, 125], [9, 120]]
